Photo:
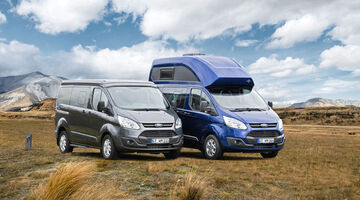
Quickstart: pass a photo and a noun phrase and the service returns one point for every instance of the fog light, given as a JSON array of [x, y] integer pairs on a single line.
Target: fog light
[[130, 142]]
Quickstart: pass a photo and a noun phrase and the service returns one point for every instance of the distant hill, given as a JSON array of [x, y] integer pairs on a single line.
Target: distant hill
[[24, 90], [320, 102]]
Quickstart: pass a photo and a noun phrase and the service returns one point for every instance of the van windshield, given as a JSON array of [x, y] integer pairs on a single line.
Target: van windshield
[[238, 99], [138, 98]]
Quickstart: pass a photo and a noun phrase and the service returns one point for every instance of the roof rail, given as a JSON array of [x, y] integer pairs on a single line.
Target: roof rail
[[194, 54]]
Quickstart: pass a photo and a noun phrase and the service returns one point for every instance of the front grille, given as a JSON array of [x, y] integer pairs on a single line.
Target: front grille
[[264, 133], [157, 125], [157, 133], [263, 125]]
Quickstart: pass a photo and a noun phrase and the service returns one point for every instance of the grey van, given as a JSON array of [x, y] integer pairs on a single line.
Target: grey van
[[116, 116]]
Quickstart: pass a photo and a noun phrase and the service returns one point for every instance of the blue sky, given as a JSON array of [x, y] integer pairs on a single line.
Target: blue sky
[[294, 50]]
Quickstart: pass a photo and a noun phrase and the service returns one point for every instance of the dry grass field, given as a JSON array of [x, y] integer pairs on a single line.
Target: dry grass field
[[318, 162]]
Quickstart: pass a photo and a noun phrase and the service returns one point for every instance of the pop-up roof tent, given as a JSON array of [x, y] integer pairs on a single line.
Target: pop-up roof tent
[[204, 70]]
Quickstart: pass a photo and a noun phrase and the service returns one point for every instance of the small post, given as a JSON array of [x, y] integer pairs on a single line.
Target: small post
[[28, 140]]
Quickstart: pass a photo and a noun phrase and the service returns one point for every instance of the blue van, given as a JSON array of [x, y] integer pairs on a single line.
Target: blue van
[[219, 109]]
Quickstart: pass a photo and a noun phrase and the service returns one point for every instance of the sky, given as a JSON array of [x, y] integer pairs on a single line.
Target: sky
[[294, 50]]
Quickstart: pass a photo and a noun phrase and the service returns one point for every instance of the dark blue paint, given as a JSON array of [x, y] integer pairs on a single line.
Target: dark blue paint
[[216, 71]]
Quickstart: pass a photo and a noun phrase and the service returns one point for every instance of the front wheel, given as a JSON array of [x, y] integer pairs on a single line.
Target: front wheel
[[211, 148], [108, 149], [64, 143], [271, 154], [172, 154]]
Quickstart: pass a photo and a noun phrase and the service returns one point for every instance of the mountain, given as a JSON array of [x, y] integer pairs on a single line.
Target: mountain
[[24, 90], [320, 102]]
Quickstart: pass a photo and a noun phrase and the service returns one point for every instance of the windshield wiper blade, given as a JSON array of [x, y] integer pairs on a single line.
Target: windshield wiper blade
[[248, 109], [147, 109]]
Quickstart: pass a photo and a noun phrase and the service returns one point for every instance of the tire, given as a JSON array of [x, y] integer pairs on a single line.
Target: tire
[[108, 150], [212, 148], [64, 143], [271, 154], [172, 154]]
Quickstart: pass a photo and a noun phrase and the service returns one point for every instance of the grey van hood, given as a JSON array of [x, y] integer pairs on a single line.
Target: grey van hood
[[160, 116]]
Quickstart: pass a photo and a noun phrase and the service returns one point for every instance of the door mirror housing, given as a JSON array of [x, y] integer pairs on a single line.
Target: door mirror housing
[[101, 108], [206, 108], [270, 104]]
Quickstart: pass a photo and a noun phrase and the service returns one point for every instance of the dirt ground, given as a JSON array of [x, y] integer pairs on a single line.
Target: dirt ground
[[318, 162]]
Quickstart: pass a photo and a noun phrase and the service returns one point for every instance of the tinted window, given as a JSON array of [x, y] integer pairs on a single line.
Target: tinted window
[[64, 95], [176, 73], [80, 96], [195, 99], [175, 95], [167, 74], [96, 98]]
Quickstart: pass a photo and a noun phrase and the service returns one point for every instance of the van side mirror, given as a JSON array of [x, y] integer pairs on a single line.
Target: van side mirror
[[204, 105], [206, 108], [101, 107], [270, 104]]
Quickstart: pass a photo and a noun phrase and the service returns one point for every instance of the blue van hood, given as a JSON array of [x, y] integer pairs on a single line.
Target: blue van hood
[[268, 116]]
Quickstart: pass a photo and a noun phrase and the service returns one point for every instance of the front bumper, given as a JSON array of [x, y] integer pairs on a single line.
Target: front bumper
[[142, 144], [250, 144]]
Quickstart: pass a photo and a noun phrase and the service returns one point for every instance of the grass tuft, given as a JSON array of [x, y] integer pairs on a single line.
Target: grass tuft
[[192, 189], [69, 181]]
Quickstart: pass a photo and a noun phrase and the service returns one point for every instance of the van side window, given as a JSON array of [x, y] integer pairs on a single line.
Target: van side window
[[167, 74], [104, 99], [195, 99], [176, 96], [80, 97], [96, 98], [197, 96], [64, 95]]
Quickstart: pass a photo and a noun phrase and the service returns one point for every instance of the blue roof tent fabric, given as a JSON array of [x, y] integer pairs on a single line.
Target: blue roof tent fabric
[[211, 70]]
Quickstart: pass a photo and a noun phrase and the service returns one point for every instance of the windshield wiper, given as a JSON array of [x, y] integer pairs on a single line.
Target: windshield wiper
[[249, 109], [147, 109]]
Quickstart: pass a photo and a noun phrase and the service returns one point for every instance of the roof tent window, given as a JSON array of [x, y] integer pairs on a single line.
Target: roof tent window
[[175, 73], [167, 74]]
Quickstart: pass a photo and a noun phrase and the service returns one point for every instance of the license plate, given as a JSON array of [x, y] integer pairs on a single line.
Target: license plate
[[159, 140], [265, 140]]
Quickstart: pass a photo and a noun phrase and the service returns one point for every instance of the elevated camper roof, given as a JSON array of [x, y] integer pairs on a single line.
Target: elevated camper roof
[[204, 70]]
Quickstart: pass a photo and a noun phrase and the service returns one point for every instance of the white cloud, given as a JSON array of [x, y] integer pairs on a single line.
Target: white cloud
[[277, 93], [337, 86], [53, 16], [2, 18], [132, 62], [303, 21], [17, 58], [306, 28], [280, 68], [346, 58], [245, 43]]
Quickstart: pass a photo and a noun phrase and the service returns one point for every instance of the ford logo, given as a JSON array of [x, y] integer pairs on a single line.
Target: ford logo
[[264, 125], [158, 125]]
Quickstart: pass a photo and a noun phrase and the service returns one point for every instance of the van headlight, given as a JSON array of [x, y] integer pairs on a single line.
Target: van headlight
[[281, 125], [128, 123], [234, 123], [178, 123]]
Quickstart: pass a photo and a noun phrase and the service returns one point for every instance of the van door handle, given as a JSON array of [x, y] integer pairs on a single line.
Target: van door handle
[[186, 113]]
